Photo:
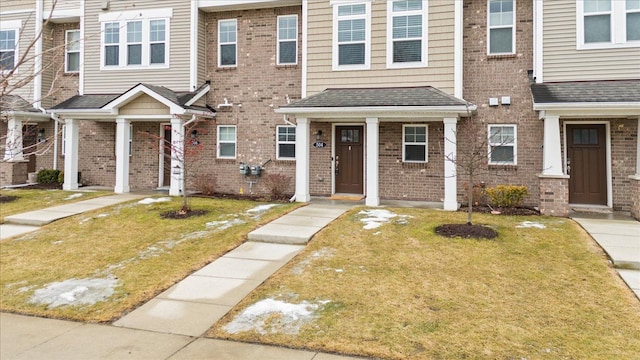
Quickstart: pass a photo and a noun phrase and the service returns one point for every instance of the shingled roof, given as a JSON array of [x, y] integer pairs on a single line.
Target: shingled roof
[[16, 103], [587, 92], [85, 102], [424, 96]]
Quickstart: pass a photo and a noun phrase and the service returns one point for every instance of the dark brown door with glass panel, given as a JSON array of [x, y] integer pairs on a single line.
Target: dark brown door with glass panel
[[586, 164], [30, 145], [349, 160], [166, 152]]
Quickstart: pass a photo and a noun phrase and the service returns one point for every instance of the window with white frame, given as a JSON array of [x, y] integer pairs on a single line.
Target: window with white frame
[[502, 145], [414, 143], [72, 51], [227, 141], [351, 35], [501, 38], [227, 42], [286, 142], [287, 40], [138, 42], [407, 33], [8, 49], [605, 24]]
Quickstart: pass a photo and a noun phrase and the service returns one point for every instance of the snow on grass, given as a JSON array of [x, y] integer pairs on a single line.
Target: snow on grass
[[274, 316], [324, 253], [224, 224], [531, 224], [74, 292], [73, 196], [147, 201], [257, 211], [377, 217]]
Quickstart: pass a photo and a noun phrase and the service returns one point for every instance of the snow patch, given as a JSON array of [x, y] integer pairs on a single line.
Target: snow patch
[[147, 201], [224, 224], [73, 196], [274, 316], [261, 208], [74, 292], [375, 218], [325, 252], [531, 224]]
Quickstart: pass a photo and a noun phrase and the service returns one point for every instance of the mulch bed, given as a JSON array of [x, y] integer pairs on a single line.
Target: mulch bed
[[7, 198], [179, 214], [466, 231]]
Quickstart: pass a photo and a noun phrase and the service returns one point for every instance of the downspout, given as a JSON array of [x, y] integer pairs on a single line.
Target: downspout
[[37, 67]]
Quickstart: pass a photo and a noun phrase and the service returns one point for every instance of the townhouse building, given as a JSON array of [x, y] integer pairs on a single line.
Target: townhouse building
[[379, 99]]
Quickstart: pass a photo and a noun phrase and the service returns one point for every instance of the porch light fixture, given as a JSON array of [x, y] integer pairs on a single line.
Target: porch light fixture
[[319, 135], [194, 133], [194, 138], [41, 137]]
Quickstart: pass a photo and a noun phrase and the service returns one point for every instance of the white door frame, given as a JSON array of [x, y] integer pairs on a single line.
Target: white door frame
[[161, 159], [333, 154]]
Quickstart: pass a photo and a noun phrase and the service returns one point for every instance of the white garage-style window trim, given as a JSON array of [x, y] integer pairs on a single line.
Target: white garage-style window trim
[[407, 31], [227, 142], [135, 39], [501, 34], [351, 35], [9, 43], [228, 43], [502, 144], [607, 24], [287, 40], [414, 143], [72, 51], [285, 142]]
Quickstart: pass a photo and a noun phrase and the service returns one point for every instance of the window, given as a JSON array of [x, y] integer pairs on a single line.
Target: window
[[8, 44], [606, 24], [502, 145], [72, 57], [406, 33], [351, 36], [286, 142], [227, 42], [501, 36], [227, 141], [140, 41], [287, 40], [414, 143], [130, 139]]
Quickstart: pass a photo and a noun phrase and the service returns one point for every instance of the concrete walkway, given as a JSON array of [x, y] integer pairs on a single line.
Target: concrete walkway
[[619, 236]]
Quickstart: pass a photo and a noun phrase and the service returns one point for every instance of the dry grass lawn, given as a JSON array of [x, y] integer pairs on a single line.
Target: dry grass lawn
[[129, 244], [401, 292], [29, 200]]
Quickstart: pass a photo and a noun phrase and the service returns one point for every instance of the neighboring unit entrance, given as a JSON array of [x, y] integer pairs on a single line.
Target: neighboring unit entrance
[[30, 144], [165, 145], [586, 164], [349, 160]]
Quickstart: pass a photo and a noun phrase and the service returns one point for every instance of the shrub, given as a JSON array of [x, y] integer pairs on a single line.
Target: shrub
[[48, 176], [61, 177], [507, 195], [479, 193], [277, 184], [204, 184]]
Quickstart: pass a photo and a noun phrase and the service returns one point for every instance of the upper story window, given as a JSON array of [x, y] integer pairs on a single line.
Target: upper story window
[[502, 145], [72, 51], [501, 38], [606, 24], [286, 142], [138, 41], [227, 141], [287, 40], [227, 42], [351, 35], [407, 33], [8, 49], [414, 143]]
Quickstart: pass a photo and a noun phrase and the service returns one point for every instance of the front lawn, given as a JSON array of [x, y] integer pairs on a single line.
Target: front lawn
[[542, 289], [24, 200], [98, 265]]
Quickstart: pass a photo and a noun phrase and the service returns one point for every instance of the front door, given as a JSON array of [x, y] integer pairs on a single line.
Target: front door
[[165, 144], [30, 145], [349, 159], [586, 164]]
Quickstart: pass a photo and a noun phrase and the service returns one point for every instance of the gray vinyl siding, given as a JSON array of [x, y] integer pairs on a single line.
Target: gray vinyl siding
[[25, 70], [175, 77], [15, 5], [202, 48], [48, 68], [61, 5], [440, 42], [563, 62]]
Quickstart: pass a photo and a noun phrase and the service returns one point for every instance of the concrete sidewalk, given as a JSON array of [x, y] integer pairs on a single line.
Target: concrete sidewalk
[[619, 236]]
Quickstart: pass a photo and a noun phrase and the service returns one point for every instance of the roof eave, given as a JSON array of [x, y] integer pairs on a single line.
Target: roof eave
[[383, 111], [576, 110]]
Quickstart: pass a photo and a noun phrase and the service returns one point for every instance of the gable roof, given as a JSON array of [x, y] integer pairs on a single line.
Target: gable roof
[[85, 102], [16, 103], [610, 91]]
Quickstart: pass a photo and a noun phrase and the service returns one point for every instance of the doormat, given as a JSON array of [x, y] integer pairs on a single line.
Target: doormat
[[349, 197]]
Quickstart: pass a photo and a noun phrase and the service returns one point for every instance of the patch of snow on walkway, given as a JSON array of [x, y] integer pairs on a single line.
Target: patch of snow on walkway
[[147, 201], [531, 224], [375, 218], [73, 196], [283, 317], [74, 292]]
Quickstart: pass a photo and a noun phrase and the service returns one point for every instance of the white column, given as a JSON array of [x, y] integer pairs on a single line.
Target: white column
[[177, 157], [71, 155], [373, 192], [13, 142], [450, 155], [551, 150], [122, 156], [302, 160]]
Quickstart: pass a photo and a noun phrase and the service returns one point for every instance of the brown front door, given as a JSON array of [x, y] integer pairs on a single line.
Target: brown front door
[[30, 145], [349, 159], [166, 151], [586, 164]]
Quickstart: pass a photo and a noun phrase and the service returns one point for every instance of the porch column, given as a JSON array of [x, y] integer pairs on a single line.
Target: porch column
[[177, 157], [551, 151], [13, 143], [122, 156], [302, 160], [450, 155], [373, 193], [71, 154]]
